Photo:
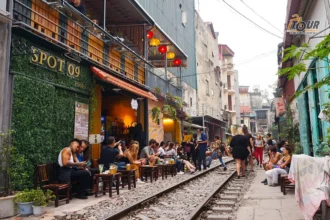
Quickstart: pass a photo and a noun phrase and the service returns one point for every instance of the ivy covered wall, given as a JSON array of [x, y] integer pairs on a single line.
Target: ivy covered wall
[[43, 110]]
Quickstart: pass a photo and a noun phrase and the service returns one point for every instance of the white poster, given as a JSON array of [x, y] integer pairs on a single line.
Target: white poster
[[81, 121]]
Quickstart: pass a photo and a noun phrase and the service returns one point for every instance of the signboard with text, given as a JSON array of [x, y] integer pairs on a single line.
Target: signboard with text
[[279, 105], [81, 120]]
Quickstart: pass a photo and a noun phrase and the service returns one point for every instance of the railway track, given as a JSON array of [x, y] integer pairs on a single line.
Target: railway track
[[185, 200]]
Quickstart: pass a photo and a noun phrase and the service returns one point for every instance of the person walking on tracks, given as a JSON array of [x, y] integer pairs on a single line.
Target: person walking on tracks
[[219, 149], [202, 147], [240, 150]]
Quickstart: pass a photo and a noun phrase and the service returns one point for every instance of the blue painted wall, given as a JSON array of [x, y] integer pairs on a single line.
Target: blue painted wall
[[167, 14], [321, 72]]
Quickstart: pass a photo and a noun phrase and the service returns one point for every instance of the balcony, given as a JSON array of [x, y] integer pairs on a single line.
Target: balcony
[[123, 55], [203, 110], [231, 90]]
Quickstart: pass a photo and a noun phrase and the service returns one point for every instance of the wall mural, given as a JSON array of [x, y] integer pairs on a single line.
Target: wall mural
[[156, 131]]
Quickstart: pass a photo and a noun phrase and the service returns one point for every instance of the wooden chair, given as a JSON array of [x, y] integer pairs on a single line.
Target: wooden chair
[[45, 176], [128, 176], [285, 183], [149, 171]]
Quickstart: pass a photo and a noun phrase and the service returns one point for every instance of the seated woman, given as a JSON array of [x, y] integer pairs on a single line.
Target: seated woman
[[172, 152], [282, 166], [184, 160], [274, 157], [131, 156]]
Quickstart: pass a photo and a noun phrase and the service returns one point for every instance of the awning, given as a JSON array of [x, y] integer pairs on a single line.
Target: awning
[[187, 124], [122, 84]]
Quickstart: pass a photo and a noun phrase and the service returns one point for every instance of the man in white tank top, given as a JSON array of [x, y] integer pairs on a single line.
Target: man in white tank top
[[69, 170]]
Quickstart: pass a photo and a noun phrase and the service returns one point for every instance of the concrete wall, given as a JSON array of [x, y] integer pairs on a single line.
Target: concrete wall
[[208, 81]]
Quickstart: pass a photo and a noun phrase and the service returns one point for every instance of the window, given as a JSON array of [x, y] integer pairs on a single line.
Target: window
[[212, 92], [184, 18], [207, 88], [190, 102]]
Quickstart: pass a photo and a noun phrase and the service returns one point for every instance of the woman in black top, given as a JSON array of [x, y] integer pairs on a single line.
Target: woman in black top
[[250, 157], [240, 150]]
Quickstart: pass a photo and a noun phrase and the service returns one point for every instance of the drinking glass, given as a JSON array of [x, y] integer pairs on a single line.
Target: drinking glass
[[101, 168]]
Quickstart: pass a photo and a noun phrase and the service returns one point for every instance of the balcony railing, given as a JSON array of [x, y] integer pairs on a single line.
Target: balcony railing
[[204, 109], [62, 25]]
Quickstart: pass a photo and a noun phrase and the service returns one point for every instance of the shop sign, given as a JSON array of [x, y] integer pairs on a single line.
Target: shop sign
[[81, 120], [134, 104], [44, 59]]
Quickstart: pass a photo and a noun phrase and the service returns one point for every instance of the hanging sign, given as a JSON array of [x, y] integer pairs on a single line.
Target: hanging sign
[[81, 121], [279, 105], [134, 104]]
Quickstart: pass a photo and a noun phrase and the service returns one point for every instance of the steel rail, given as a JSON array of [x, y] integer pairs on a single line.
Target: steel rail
[[200, 208], [123, 212]]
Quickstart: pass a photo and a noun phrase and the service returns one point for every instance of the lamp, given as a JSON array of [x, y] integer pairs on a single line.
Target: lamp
[[154, 42], [170, 55], [177, 62], [162, 49], [150, 34]]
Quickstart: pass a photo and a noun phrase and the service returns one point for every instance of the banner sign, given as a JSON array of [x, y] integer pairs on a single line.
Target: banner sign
[[279, 105], [81, 121]]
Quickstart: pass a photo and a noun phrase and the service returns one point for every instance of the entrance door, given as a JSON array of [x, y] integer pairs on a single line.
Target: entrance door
[[228, 82]]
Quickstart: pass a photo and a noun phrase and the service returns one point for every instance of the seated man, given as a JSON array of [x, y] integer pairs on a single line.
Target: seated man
[[77, 4], [110, 152], [148, 152], [218, 149], [70, 170], [173, 153]]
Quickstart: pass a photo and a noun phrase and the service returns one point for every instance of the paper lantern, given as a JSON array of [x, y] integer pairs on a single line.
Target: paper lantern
[[150, 34], [162, 49], [177, 62], [170, 55], [154, 42]]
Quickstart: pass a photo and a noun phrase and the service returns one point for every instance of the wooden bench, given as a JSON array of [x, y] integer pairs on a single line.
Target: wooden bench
[[128, 176], [45, 178]]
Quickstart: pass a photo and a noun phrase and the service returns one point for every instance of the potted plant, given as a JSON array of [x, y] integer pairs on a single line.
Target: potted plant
[[24, 201], [7, 205], [40, 200], [155, 112]]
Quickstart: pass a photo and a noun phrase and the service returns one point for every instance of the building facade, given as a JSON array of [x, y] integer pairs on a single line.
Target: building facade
[[207, 110], [230, 88], [313, 130]]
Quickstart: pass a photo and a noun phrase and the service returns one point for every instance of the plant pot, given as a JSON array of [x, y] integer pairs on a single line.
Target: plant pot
[[38, 210], [25, 208], [7, 207]]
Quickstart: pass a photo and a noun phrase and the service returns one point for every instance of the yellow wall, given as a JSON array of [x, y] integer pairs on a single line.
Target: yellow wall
[[174, 127], [155, 131]]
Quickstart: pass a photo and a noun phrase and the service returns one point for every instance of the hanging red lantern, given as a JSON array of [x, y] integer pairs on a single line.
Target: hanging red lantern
[[162, 49], [150, 34], [177, 62]]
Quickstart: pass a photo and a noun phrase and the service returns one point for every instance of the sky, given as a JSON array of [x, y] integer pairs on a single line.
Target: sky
[[255, 50]]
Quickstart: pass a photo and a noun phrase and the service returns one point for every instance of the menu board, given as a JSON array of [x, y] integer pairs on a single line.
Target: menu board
[[81, 120]]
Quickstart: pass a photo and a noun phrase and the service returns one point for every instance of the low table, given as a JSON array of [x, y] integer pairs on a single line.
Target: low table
[[107, 179]]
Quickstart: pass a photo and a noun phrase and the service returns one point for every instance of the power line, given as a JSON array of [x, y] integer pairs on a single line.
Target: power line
[[261, 17], [250, 20], [255, 58]]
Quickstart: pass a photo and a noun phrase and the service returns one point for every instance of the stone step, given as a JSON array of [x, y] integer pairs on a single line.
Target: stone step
[[225, 203], [218, 217], [225, 197], [222, 209], [232, 192]]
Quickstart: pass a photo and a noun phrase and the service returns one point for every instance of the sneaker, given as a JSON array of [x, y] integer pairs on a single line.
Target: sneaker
[[180, 172], [139, 181], [208, 166], [225, 169], [265, 180]]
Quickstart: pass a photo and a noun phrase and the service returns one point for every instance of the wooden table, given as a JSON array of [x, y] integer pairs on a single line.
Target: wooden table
[[107, 179]]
